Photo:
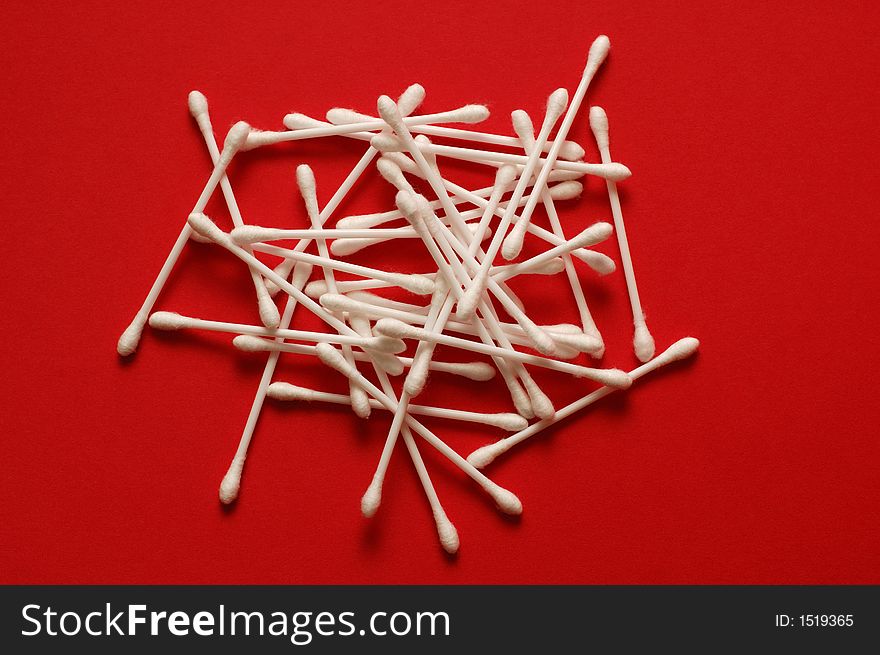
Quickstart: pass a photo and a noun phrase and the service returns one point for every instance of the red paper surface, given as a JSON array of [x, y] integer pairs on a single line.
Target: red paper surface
[[751, 132]]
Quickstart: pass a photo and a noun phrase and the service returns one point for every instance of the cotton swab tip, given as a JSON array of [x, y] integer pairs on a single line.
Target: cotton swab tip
[[411, 98], [571, 151], [391, 327], [418, 284], [231, 483], [198, 104], [287, 391], [681, 349], [237, 136], [448, 535], [506, 500], [305, 179], [296, 121], [269, 315], [167, 321], [643, 343], [203, 225], [485, 455], [598, 52], [556, 103], [476, 371], [616, 172], [469, 114], [245, 234], [129, 339], [599, 125], [613, 377], [371, 499], [390, 113], [568, 190], [506, 175], [596, 233]]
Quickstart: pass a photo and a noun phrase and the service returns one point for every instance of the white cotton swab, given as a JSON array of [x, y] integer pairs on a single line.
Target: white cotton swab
[[681, 349], [598, 52], [506, 421], [466, 114], [613, 171], [231, 483], [417, 284], [348, 245], [305, 179], [643, 342], [198, 107], [247, 234], [468, 304], [476, 371], [522, 125], [570, 150], [130, 337], [506, 501], [171, 322], [610, 376], [373, 220]]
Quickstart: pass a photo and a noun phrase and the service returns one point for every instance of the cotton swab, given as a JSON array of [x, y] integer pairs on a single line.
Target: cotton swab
[[598, 52], [130, 337], [466, 114], [231, 483], [570, 150], [468, 304], [198, 106], [506, 501], [247, 234], [505, 421], [643, 342], [681, 349], [171, 321], [522, 125], [380, 218], [398, 329], [345, 246], [417, 284]]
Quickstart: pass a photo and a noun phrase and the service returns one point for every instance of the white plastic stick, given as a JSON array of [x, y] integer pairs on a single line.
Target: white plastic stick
[[679, 350], [643, 342], [130, 337]]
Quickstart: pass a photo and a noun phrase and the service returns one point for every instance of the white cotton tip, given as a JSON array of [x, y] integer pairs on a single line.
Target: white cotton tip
[[231, 483], [291, 392], [506, 176], [520, 398], [371, 499], [525, 130], [384, 344], [236, 137], [571, 151], [283, 271], [269, 315], [477, 371], [556, 103], [599, 262], [390, 114], [598, 52], [467, 304], [542, 406], [599, 125], [316, 289], [417, 377], [506, 500], [246, 234], [507, 421], [541, 340], [167, 321], [513, 242], [584, 343], [360, 402], [681, 349], [334, 359], [468, 114], [612, 377], [336, 302], [251, 344], [614, 172], [568, 190], [342, 116], [552, 267], [410, 99], [563, 328], [203, 225], [387, 143], [417, 284], [643, 343], [198, 104], [305, 179], [302, 271], [295, 121], [485, 455], [393, 175], [447, 533], [596, 233], [130, 337], [391, 327]]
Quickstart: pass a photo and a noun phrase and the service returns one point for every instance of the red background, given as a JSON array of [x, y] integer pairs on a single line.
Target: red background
[[751, 133]]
